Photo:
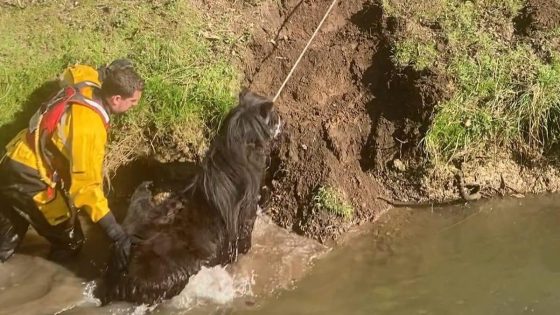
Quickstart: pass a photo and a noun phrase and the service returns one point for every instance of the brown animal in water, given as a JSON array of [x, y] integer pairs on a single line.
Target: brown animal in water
[[209, 223]]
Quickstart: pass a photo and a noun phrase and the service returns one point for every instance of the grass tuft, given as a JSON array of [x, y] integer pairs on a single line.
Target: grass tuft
[[332, 201]]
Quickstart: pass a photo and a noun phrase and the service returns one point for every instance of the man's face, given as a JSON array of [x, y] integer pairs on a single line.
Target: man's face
[[119, 104]]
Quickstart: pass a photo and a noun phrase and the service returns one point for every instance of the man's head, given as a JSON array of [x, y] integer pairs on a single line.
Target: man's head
[[122, 86]]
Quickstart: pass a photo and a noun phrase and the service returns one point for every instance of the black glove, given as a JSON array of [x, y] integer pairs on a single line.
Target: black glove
[[121, 240]]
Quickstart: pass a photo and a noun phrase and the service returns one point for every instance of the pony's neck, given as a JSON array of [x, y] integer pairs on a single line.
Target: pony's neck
[[230, 181]]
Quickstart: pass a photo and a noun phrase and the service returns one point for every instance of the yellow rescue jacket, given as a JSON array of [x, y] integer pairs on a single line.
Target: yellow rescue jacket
[[80, 137]]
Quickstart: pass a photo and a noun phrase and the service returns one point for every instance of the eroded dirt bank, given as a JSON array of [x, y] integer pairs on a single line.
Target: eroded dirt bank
[[355, 122]]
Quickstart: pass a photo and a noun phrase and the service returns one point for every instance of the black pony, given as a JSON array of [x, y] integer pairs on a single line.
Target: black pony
[[209, 223]]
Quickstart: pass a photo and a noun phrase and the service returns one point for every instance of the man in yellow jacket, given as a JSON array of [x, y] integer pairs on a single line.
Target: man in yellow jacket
[[55, 166]]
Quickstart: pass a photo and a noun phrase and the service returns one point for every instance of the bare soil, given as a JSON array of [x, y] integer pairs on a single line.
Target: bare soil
[[347, 113], [539, 15], [535, 23]]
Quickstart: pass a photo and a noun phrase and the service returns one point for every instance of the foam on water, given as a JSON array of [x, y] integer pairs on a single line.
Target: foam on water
[[89, 297], [211, 286]]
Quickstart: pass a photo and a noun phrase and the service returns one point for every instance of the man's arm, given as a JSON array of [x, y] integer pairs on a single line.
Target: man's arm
[[88, 138]]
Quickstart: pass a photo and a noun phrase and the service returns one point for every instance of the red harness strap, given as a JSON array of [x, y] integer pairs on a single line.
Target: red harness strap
[[46, 120]]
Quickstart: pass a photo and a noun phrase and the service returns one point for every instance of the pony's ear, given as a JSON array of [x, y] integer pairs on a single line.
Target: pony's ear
[[265, 108], [261, 103], [242, 94]]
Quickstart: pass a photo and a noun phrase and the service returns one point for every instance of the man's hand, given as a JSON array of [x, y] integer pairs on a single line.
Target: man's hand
[[121, 252], [122, 242]]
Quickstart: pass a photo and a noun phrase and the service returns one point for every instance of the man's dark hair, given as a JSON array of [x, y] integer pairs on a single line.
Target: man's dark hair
[[120, 78]]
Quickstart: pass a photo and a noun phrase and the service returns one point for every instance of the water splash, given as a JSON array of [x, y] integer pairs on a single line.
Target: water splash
[[89, 296], [143, 309], [211, 286]]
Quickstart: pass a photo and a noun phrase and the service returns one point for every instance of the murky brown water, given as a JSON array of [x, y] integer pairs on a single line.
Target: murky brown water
[[496, 257]]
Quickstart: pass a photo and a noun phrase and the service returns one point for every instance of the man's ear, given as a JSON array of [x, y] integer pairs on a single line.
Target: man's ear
[[116, 99]]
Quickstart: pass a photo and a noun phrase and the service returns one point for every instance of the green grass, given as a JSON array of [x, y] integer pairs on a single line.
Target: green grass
[[190, 82], [504, 95], [330, 200], [416, 53]]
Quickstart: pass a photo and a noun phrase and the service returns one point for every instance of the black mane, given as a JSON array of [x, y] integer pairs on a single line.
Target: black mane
[[232, 169]]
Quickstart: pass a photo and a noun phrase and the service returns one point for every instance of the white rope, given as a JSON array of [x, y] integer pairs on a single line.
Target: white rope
[[304, 50]]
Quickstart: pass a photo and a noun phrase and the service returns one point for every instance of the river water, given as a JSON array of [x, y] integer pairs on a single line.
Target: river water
[[491, 257]]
